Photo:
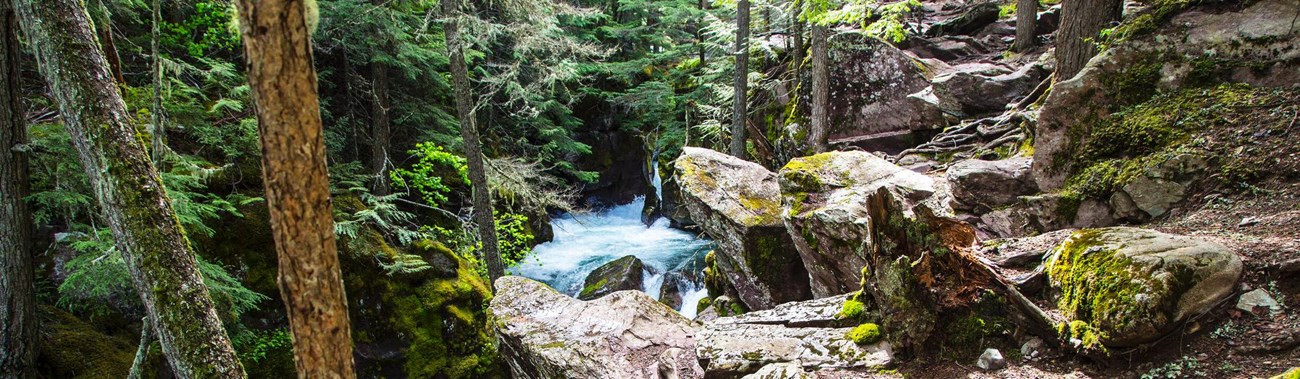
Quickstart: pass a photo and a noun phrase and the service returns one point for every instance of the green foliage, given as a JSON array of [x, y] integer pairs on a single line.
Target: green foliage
[[433, 174], [885, 20], [513, 237], [98, 281], [256, 347], [204, 31]]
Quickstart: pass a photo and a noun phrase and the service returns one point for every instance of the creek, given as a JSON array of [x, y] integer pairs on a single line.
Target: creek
[[586, 240]]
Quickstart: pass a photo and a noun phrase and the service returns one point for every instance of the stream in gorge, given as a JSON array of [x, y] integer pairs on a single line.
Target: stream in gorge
[[586, 240]]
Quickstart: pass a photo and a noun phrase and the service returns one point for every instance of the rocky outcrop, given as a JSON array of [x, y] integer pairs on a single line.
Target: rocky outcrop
[[738, 204], [1162, 50], [980, 88], [802, 338], [620, 157], [1126, 286], [972, 20], [861, 222], [870, 86], [985, 185], [827, 213], [545, 334], [626, 273]]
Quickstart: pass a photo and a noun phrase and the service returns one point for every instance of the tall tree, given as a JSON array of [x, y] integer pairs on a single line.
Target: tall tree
[[155, 113], [739, 112], [819, 133], [380, 126], [17, 291], [128, 189], [277, 43], [103, 23], [473, 149], [1081, 25], [1026, 24], [797, 51]]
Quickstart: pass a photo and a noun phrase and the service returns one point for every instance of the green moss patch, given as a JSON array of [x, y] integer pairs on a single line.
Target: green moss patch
[[864, 334]]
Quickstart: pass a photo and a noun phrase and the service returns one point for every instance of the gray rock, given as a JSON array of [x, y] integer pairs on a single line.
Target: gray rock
[[1254, 44], [968, 22], [828, 216], [545, 334], [732, 347], [1134, 285], [626, 273], [870, 86], [991, 360], [784, 370], [859, 221], [1027, 251], [985, 185], [1032, 348], [1256, 299], [738, 203], [974, 90]]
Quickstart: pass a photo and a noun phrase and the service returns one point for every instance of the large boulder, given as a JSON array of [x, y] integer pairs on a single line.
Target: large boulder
[[895, 230], [1162, 50], [626, 273], [738, 203], [545, 334], [870, 86], [791, 339], [1126, 286], [827, 211], [979, 88], [985, 185]]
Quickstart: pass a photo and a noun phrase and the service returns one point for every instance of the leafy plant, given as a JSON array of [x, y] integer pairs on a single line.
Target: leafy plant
[[433, 174]]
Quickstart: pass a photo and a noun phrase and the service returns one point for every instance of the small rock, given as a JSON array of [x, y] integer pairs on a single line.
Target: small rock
[[1033, 348], [1248, 221], [991, 360], [1258, 299]]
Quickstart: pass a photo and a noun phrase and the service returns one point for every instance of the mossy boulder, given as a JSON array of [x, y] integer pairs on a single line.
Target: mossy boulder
[[626, 273], [421, 324], [738, 204], [546, 334], [825, 211], [1130, 286], [72, 348], [1162, 50]]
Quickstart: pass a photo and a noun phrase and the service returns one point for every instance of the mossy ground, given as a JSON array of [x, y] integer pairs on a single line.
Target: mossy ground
[[864, 334]]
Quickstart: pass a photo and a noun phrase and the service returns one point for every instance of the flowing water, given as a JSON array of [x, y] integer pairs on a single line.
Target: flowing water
[[584, 241]]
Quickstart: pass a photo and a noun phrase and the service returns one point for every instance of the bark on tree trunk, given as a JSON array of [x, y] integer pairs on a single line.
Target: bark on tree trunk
[[1081, 25], [128, 189], [283, 80], [739, 112], [797, 51], [473, 150], [821, 81], [1026, 22], [380, 128], [17, 289], [104, 27], [156, 114]]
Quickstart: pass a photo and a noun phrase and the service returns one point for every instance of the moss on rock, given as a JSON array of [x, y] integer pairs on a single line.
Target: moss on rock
[[71, 348], [864, 334]]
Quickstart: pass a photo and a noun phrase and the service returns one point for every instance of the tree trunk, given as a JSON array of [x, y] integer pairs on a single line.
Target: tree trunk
[[283, 79], [1026, 22], [1081, 25], [156, 114], [104, 27], [473, 150], [17, 289], [380, 128], [797, 56], [821, 82], [128, 189], [739, 112]]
